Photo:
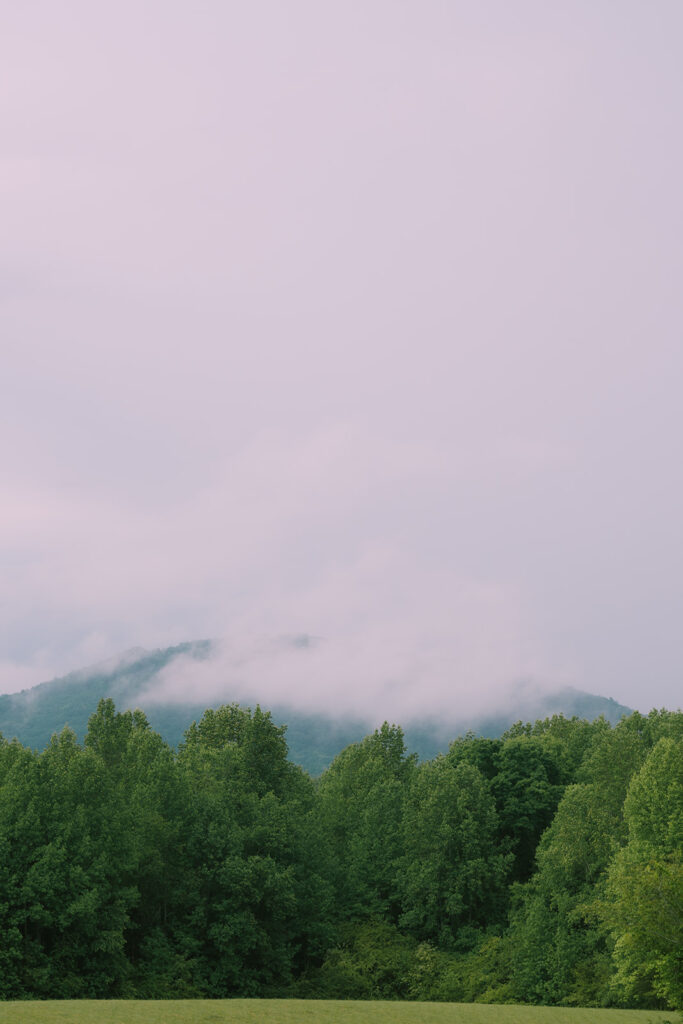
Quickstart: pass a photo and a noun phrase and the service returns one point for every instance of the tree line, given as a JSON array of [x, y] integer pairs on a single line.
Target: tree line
[[543, 867]]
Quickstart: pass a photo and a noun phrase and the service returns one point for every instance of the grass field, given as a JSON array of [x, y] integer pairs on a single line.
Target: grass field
[[296, 1011]]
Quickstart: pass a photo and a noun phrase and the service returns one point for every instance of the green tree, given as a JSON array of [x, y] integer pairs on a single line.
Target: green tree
[[560, 954], [527, 788], [453, 872], [20, 835], [256, 880], [644, 897], [68, 845], [362, 796]]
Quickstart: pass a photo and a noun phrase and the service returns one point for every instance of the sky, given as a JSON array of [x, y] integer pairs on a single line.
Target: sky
[[359, 320]]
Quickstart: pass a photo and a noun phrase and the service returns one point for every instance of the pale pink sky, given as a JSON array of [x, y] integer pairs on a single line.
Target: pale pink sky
[[359, 319]]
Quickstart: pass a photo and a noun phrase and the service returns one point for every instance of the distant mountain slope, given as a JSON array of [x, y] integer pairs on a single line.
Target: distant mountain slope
[[314, 739]]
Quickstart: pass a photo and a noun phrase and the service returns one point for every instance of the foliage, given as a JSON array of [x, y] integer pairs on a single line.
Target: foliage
[[452, 874], [561, 950], [644, 904], [362, 797], [542, 867]]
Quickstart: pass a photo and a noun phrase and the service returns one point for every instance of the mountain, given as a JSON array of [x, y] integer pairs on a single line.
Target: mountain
[[314, 739]]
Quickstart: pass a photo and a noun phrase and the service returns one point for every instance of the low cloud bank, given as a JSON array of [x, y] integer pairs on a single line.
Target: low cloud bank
[[441, 647], [362, 681]]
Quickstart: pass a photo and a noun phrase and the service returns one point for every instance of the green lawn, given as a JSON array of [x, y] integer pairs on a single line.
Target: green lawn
[[296, 1011]]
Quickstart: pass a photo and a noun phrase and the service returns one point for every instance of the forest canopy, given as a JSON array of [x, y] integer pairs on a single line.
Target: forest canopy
[[543, 867]]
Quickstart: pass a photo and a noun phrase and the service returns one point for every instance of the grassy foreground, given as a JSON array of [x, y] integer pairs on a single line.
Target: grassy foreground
[[297, 1011]]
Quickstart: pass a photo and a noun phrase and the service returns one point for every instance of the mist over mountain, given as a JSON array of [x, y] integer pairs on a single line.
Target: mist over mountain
[[161, 683]]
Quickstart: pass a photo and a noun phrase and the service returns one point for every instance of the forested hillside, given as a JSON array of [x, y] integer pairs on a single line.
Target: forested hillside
[[545, 866], [314, 739]]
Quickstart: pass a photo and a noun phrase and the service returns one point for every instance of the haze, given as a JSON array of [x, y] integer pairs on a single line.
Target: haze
[[359, 320]]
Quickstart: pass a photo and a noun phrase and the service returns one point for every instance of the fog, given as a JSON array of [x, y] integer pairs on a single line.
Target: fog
[[357, 321]]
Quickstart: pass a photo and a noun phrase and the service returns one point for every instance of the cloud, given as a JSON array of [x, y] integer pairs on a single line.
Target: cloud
[[402, 644], [320, 534], [360, 321]]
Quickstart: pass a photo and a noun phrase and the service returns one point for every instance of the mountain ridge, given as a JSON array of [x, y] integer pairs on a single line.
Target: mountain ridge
[[314, 738]]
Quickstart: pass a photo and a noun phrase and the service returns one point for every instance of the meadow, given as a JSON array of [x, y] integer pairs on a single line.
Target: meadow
[[297, 1011]]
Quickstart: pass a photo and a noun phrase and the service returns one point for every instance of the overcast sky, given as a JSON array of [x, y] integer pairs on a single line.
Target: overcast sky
[[358, 318]]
